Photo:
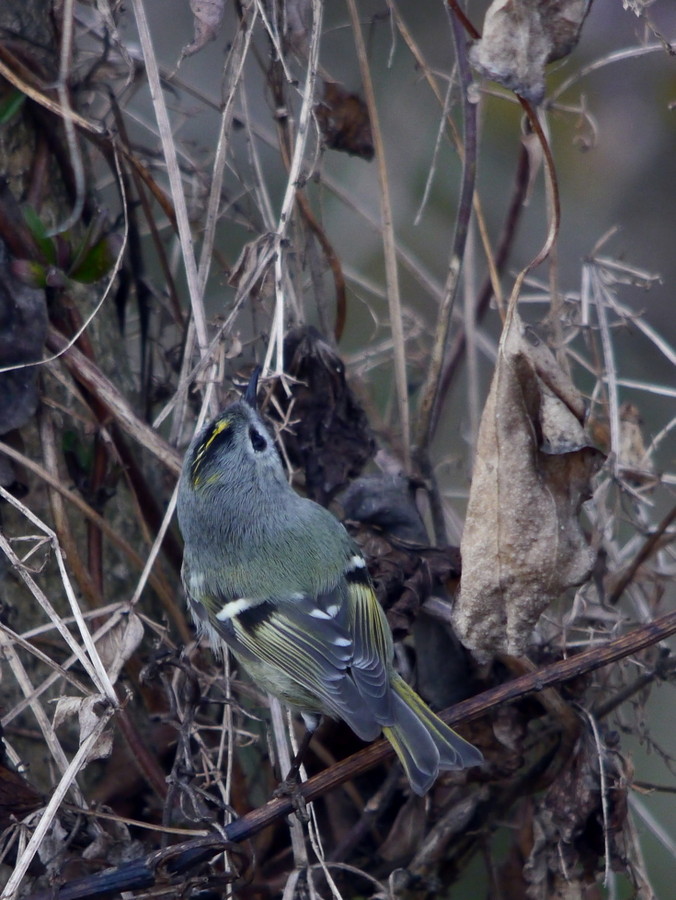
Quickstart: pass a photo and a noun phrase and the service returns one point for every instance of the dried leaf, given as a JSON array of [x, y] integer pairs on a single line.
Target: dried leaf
[[17, 796], [633, 455], [208, 18], [344, 121], [569, 831], [88, 716], [403, 837], [634, 459], [51, 849], [65, 708], [88, 711], [114, 844], [520, 37], [252, 273], [330, 440], [523, 546], [118, 644]]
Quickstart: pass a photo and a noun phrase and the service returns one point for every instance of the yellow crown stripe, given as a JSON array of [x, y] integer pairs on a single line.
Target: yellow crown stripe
[[219, 427]]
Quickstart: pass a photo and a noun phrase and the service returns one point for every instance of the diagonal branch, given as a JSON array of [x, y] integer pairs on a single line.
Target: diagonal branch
[[140, 873]]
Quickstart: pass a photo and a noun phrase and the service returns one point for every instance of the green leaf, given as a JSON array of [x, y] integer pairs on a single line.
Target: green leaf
[[98, 261], [38, 231], [91, 237], [11, 105]]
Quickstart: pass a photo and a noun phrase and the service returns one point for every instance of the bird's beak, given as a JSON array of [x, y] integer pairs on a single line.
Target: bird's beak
[[252, 388]]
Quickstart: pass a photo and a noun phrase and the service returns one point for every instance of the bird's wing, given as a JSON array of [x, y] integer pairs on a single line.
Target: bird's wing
[[307, 639], [372, 643], [336, 645]]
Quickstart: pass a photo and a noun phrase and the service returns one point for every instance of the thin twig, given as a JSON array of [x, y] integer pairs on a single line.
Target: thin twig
[[174, 175], [236, 61], [653, 542], [59, 792], [88, 655], [603, 785], [65, 61], [276, 343], [432, 381], [391, 273], [456, 349], [158, 583]]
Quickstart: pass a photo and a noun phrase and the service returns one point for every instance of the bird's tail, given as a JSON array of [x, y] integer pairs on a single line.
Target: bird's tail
[[424, 744]]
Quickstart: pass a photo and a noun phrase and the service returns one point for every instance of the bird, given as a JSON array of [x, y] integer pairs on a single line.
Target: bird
[[277, 578]]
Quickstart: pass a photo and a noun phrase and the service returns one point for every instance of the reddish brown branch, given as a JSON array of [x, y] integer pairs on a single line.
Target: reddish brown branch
[[463, 19], [141, 872]]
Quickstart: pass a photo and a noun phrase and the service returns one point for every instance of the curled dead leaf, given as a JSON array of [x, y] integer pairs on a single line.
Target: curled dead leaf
[[252, 273], [208, 18], [89, 711], [523, 545], [344, 121], [574, 823], [520, 37], [119, 643], [330, 439]]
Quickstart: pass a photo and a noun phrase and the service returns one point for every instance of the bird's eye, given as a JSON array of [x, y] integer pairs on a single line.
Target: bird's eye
[[258, 442]]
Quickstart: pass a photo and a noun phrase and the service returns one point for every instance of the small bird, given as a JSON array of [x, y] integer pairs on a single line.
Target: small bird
[[278, 579]]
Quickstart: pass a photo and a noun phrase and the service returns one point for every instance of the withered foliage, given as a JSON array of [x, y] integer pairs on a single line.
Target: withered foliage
[[523, 544], [344, 121], [328, 439], [135, 761], [520, 37]]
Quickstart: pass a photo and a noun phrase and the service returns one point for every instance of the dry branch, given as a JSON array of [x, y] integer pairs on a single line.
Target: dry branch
[[142, 872], [91, 377]]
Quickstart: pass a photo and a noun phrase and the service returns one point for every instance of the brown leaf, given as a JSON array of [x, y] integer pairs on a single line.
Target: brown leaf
[[520, 37], [344, 121], [88, 711], [568, 825], [403, 838], [634, 458], [18, 798], [117, 645], [330, 438], [523, 545]]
